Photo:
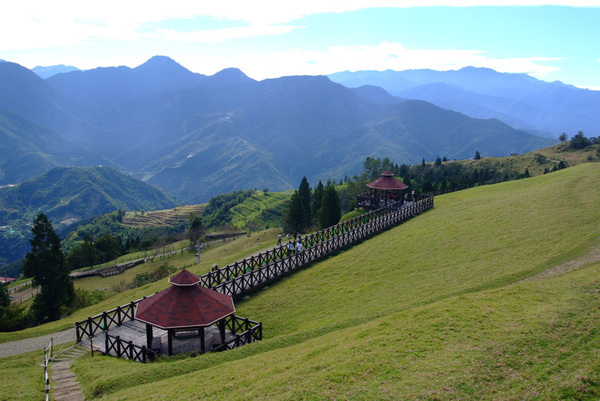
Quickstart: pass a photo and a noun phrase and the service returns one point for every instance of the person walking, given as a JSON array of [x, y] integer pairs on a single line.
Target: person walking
[[290, 248], [279, 237]]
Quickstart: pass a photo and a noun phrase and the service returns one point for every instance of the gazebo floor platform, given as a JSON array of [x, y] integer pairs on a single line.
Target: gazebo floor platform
[[183, 341]]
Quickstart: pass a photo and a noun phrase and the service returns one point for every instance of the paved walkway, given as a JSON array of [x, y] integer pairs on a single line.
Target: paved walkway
[[36, 343]]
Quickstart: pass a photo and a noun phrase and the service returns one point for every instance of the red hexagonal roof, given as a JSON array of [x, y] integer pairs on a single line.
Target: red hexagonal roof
[[184, 305], [387, 182]]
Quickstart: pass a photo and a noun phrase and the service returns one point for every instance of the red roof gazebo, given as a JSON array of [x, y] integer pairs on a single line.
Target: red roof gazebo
[[184, 306], [384, 190]]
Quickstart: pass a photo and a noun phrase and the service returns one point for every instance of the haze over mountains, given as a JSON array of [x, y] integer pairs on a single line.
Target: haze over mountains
[[543, 108], [196, 136]]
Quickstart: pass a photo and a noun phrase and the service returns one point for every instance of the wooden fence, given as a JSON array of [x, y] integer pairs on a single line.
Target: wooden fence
[[105, 320], [257, 271], [245, 331], [127, 349]]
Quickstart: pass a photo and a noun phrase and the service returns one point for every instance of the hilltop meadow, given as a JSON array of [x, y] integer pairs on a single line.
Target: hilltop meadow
[[493, 294]]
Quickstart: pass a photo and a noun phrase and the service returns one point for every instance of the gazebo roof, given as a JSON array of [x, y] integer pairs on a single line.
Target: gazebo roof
[[387, 182], [184, 278], [184, 305]]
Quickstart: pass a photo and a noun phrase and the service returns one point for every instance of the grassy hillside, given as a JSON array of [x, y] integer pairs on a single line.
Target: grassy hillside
[[493, 294], [538, 160], [434, 309], [261, 210]]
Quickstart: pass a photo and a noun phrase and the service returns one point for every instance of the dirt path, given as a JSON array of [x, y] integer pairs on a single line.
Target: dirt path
[[569, 266]]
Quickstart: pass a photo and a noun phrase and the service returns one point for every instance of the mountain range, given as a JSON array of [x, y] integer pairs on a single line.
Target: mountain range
[[196, 136], [526, 103], [68, 195]]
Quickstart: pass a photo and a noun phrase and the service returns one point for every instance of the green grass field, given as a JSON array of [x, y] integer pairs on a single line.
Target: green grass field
[[437, 308]]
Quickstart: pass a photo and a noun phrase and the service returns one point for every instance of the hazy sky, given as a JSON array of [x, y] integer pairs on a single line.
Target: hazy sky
[[551, 40]]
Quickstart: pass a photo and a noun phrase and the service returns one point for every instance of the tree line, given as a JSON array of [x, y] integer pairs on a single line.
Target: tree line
[[321, 205]]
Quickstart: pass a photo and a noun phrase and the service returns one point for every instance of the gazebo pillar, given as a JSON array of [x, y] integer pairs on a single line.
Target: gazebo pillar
[[148, 336], [170, 341], [202, 345], [222, 329]]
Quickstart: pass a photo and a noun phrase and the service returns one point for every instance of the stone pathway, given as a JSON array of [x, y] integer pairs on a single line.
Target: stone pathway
[[36, 343], [64, 384]]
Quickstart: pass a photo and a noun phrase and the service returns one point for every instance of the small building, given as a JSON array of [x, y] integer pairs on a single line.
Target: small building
[[7, 280], [384, 191], [185, 306]]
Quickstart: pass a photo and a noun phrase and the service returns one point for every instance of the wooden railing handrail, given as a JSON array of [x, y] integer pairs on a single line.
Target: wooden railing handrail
[[252, 273]]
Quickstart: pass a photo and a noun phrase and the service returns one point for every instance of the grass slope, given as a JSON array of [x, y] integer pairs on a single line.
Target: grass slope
[[432, 309], [261, 210]]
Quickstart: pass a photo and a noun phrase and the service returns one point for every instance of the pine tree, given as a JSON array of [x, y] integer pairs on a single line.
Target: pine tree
[[196, 230], [477, 155], [304, 193], [47, 265], [331, 208], [294, 219], [317, 195]]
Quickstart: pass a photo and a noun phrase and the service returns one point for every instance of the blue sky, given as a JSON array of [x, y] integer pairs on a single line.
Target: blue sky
[[550, 40]]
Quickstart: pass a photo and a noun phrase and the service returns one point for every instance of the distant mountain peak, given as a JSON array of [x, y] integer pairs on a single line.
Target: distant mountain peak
[[48, 71], [230, 75], [160, 62]]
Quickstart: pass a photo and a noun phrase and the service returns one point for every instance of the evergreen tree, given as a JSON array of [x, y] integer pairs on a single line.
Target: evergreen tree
[[196, 230], [562, 137], [406, 181], [443, 188], [47, 265], [294, 219], [316, 199], [427, 187], [477, 155], [438, 161], [331, 209], [304, 192]]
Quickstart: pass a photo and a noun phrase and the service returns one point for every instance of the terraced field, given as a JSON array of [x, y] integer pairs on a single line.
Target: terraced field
[[162, 218]]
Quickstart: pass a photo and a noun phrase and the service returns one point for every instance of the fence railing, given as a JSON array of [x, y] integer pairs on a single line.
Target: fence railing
[[115, 346], [259, 270], [105, 320], [48, 352], [245, 331]]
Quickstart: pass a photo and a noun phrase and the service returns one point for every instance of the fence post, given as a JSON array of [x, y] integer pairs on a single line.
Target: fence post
[[119, 346], [77, 332], [89, 323]]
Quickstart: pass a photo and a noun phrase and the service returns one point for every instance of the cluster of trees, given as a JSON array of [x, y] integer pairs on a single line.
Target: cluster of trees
[[306, 205], [104, 249], [579, 140]]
